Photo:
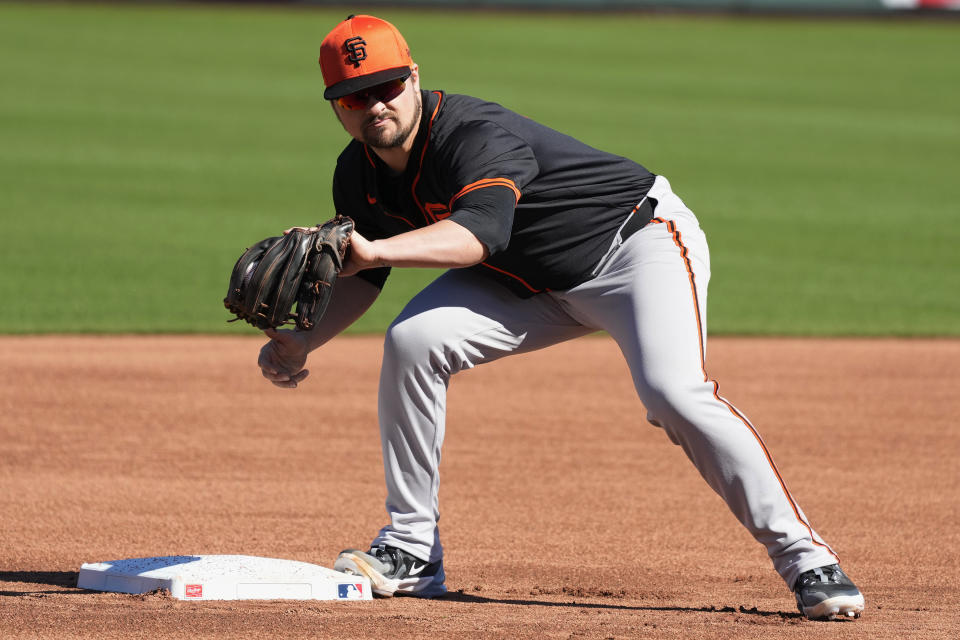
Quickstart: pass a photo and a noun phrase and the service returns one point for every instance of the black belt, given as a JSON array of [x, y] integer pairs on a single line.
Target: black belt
[[638, 219]]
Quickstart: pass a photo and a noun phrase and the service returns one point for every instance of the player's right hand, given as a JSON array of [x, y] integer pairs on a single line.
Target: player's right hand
[[281, 360], [361, 255]]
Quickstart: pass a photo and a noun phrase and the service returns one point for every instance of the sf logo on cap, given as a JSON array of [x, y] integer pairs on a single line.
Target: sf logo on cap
[[356, 50]]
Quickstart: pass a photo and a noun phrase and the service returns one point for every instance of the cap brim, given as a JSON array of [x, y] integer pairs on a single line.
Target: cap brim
[[352, 85]]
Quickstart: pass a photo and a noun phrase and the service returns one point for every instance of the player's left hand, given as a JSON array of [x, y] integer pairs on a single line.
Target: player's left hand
[[282, 359]]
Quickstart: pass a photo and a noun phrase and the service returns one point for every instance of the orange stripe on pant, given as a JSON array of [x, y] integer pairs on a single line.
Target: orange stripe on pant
[[684, 253]]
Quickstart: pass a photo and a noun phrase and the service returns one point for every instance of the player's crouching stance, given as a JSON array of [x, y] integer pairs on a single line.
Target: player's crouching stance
[[545, 239]]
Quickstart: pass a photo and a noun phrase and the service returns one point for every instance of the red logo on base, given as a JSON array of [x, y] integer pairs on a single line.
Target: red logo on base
[[193, 590]]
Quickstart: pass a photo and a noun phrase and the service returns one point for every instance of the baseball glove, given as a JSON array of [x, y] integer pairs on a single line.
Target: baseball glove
[[299, 268]]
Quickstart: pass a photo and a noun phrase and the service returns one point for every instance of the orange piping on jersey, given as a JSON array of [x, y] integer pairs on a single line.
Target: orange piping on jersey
[[366, 151], [372, 201], [515, 277], [413, 187], [678, 240], [387, 213], [486, 182]]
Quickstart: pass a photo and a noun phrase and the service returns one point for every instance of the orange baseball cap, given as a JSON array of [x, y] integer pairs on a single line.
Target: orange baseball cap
[[362, 52]]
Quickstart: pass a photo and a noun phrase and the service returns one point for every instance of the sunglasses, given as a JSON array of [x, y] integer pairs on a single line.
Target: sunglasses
[[382, 93]]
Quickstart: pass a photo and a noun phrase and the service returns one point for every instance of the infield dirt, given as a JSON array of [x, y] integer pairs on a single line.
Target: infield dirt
[[565, 515]]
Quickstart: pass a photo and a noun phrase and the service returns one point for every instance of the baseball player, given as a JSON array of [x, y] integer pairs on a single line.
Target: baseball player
[[545, 239]]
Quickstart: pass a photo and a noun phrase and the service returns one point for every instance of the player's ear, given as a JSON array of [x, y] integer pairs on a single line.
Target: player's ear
[[415, 76]]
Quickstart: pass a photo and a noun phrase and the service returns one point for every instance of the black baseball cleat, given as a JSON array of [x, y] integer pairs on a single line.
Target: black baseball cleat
[[394, 572], [826, 593]]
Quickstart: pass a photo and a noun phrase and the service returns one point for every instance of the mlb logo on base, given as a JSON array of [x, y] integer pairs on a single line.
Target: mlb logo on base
[[350, 591], [193, 591]]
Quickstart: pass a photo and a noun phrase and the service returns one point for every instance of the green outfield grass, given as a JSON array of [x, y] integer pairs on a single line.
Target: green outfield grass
[[142, 148]]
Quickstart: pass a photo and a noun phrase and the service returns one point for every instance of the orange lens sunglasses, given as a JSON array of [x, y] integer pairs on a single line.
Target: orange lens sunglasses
[[382, 92]]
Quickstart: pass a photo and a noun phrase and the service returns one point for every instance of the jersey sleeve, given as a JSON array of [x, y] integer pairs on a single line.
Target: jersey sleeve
[[344, 205], [490, 167]]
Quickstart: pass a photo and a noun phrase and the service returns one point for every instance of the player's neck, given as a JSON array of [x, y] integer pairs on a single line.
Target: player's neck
[[396, 158]]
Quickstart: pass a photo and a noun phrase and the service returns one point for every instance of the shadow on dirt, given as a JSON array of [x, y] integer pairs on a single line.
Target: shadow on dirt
[[65, 579], [459, 596]]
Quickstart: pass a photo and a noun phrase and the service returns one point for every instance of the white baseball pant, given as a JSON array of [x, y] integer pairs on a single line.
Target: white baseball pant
[[650, 296]]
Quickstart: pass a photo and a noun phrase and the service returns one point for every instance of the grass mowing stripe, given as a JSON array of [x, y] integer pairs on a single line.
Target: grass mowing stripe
[[144, 146]]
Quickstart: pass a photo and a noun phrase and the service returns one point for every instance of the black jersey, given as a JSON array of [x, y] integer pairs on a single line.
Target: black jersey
[[545, 205]]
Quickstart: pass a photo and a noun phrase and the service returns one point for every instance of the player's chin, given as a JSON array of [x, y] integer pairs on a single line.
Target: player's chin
[[384, 134]]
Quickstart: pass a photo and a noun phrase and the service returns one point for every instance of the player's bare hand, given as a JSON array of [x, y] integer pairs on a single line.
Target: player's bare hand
[[361, 255], [281, 360]]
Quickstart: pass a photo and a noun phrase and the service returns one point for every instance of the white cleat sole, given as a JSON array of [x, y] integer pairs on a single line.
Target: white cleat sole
[[350, 563], [388, 587], [839, 607]]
